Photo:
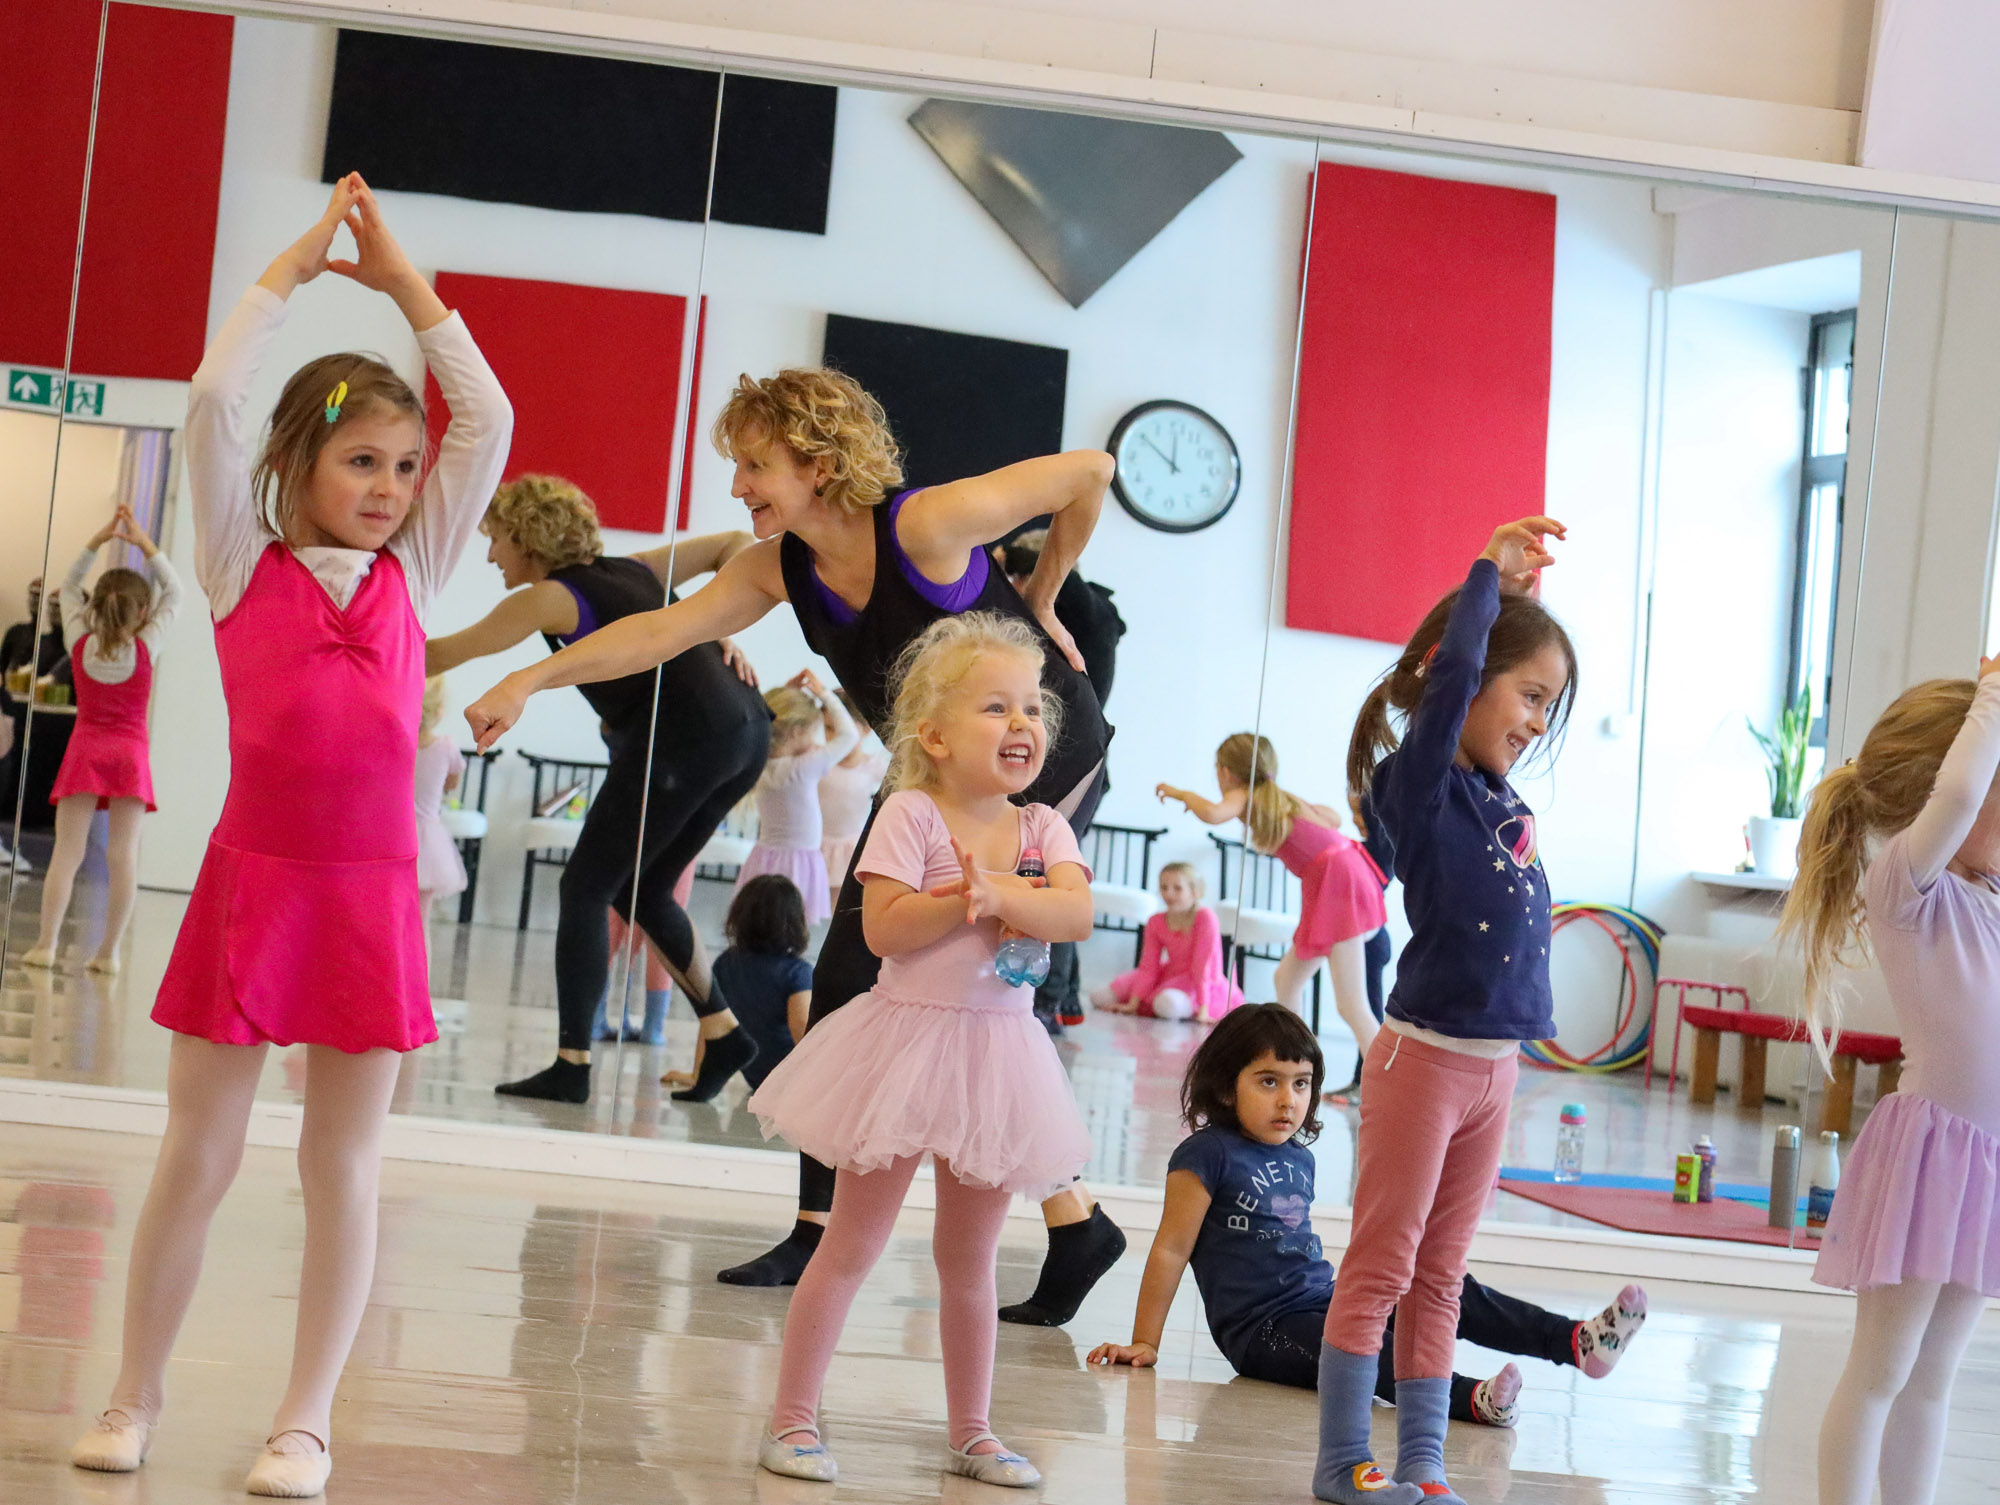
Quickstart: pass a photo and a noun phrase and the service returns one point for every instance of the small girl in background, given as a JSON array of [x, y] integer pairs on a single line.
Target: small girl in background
[[114, 633], [1239, 1209], [440, 768], [847, 793], [1487, 675], [1340, 891], [1180, 974], [764, 973], [1917, 1223], [940, 1057], [811, 733]]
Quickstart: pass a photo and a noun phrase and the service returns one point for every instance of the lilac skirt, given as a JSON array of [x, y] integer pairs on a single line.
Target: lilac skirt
[[803, 865], [1919, 1199]]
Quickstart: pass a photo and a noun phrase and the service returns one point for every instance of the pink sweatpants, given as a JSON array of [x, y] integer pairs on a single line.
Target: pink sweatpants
[[964, 1241], [1432, 1126]]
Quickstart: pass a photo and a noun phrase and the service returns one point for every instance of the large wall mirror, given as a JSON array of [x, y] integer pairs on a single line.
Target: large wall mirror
[[1326, 371]]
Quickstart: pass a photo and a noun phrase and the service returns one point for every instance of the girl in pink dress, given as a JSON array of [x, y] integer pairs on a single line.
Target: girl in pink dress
[[1901, 856], [1180, 974], [941, 1057], [1340, 888], [115, 630], [440, 766], [810, 733], [318, 556]]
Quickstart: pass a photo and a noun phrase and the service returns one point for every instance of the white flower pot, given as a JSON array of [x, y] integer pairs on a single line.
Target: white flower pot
[[1774, 845]]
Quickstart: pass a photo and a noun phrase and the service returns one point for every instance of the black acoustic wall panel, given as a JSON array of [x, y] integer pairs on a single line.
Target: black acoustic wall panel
[[555, 131], [960, 404]]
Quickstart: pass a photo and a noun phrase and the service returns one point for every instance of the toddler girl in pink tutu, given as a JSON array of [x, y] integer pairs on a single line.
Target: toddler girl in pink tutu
[[940, 1057], [1916, 1226]]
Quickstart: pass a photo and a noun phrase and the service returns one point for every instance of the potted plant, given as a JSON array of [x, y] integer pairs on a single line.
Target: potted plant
[[1774, 838]]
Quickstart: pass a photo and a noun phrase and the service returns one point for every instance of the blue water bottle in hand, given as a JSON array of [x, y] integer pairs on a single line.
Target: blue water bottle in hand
[[1022, 959]]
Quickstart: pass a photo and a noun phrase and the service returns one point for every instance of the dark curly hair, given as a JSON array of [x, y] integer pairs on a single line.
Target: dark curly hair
[[1208, 1090], [768, 916]]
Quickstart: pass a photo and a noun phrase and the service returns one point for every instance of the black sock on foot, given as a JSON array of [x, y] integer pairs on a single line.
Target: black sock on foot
[[721, 1059], [781, 1266], [561, 1082], [1079, 1256]]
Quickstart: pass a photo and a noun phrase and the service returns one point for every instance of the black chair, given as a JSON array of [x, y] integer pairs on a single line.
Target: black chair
[[549, 838], [469, 819], [1121, 883]]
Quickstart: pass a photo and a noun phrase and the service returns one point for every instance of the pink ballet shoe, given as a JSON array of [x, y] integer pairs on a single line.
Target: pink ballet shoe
[[116, 1445], [294, 1471]]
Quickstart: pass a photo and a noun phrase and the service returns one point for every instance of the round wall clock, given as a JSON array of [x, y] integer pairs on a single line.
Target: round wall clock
[[1178, 469]]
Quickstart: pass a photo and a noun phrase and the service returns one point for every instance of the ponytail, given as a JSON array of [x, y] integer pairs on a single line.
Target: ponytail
[[119, 607], [1268, 810]]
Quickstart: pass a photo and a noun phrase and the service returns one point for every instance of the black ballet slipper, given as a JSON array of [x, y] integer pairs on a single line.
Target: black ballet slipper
[[1080, 1255], [721, 1059], [561, 1082], [781, 1266]]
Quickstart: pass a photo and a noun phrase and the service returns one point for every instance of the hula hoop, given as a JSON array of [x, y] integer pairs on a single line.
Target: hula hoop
[[1608, 1057]]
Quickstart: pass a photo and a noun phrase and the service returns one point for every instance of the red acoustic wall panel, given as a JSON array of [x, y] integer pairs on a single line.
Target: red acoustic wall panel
[[1423, 402], [593, 373], [155, 176]]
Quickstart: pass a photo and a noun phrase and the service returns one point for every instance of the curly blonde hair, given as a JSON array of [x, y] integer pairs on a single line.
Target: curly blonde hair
[[933, 666], [816, 414], [548, 518], [794, 714]]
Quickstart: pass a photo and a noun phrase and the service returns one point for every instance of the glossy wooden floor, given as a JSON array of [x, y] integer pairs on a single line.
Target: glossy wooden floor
[[543, 1340]]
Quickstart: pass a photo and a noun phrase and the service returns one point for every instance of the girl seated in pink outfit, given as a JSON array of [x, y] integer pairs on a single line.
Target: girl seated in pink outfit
[[941, 1057], [1180, 974], [1340, 898], [810, 733]]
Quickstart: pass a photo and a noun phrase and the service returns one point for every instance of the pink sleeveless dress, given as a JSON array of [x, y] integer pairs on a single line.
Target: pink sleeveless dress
[[1340, 888], [304, 924], [108, 754]]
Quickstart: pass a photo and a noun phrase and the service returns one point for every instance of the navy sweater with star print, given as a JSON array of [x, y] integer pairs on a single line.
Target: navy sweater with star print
[[1477, 963]]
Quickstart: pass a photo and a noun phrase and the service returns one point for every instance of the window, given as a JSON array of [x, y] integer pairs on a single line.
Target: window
[[1829, 385]]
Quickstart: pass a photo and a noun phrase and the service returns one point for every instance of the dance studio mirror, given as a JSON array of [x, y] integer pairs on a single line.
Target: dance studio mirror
[[1689, 378]]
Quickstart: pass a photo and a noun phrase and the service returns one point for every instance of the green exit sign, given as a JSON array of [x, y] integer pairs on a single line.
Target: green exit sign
[[30, 388], [85, 399]]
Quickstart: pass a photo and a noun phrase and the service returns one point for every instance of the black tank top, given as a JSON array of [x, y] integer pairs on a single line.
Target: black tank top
[[699, 695], [864, 650]]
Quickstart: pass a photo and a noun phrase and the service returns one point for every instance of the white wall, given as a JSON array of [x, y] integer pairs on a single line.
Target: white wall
[[27, 477]]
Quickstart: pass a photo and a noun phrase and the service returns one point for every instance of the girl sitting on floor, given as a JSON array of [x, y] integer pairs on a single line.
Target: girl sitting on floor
[[1180, 974]]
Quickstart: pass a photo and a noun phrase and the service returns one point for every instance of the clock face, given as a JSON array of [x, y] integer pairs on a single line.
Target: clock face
[[1177, 467]]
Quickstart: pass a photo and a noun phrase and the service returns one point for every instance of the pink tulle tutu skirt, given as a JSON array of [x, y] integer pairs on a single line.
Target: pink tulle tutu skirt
[[440, 869], [1919, 1199], [981, 1089], [803, 865]]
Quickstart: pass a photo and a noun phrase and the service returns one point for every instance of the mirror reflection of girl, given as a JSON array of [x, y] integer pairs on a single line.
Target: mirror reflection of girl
[[114, 632], [319, 557], [1340, 891], [810, 733], [847, 794], [1180, 973], [686, 770], [440, 767], [941, 1057]]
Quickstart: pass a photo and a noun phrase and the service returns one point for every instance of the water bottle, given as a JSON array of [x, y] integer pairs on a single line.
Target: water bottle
[[1824, 1182], [1569, 1143], [1704, 1149], [1022, 960]]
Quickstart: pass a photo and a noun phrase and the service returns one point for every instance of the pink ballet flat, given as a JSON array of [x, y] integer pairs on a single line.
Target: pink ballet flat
[[113, 1446]]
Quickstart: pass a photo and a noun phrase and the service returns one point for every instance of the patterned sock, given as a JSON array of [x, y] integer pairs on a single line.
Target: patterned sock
[[1601, 1341], [1497, 1402], [1345, 1472], [1423, 1412]]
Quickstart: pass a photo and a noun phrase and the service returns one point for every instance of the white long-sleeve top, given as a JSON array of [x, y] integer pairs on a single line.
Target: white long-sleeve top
[[116, 668], [230, 537]]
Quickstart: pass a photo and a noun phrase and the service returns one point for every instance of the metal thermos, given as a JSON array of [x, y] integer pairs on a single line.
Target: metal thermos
[[1785, 1177]]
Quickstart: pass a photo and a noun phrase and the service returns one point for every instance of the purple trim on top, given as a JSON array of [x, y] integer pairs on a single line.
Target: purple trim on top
[[953, 598], [586, 619], [842, 614]]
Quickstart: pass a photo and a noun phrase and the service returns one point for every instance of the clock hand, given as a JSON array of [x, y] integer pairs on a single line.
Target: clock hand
[[1148, 442]]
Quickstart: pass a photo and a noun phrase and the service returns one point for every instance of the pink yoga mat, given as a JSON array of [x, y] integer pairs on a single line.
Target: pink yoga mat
[[1656, 1212]]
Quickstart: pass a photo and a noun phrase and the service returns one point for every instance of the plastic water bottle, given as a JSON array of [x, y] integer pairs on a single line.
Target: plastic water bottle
[[1569, 1143], [1825, 1180], [1022, 960], [1704, 1148]]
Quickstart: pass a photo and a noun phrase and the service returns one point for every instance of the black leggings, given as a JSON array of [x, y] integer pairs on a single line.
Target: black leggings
[[1375, 956], [847, 968], [1285, 1350], [694, 786]]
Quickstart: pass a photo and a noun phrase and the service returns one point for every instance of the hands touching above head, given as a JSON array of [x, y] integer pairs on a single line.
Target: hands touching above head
[[124, 526], [1517, 549], [379, 261]]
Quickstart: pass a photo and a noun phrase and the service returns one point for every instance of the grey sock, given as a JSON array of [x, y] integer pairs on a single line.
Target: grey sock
[[1346, 1471], [1423, 1412]]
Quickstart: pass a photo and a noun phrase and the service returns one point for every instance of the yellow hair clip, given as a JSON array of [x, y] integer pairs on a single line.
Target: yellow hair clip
[[333, 401]]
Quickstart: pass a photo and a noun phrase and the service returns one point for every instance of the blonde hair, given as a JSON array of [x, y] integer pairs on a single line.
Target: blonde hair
[[1268, 811], [1876, 793], [433, 712], [932, 667], [1188, 871], [793, 712], [120, 605], [816, 413], [548, 519], [299, 429]]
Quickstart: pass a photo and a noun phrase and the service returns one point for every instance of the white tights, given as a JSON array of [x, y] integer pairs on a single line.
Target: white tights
[[1348, 964], [209, 1092], [121, 855], [1887, 1416]]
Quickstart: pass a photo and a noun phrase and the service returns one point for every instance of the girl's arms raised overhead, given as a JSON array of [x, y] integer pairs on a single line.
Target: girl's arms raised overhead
[[842, 735], [547, 606], [1173, 1245], [742, 591], [1209, 812], [1964, 784]]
